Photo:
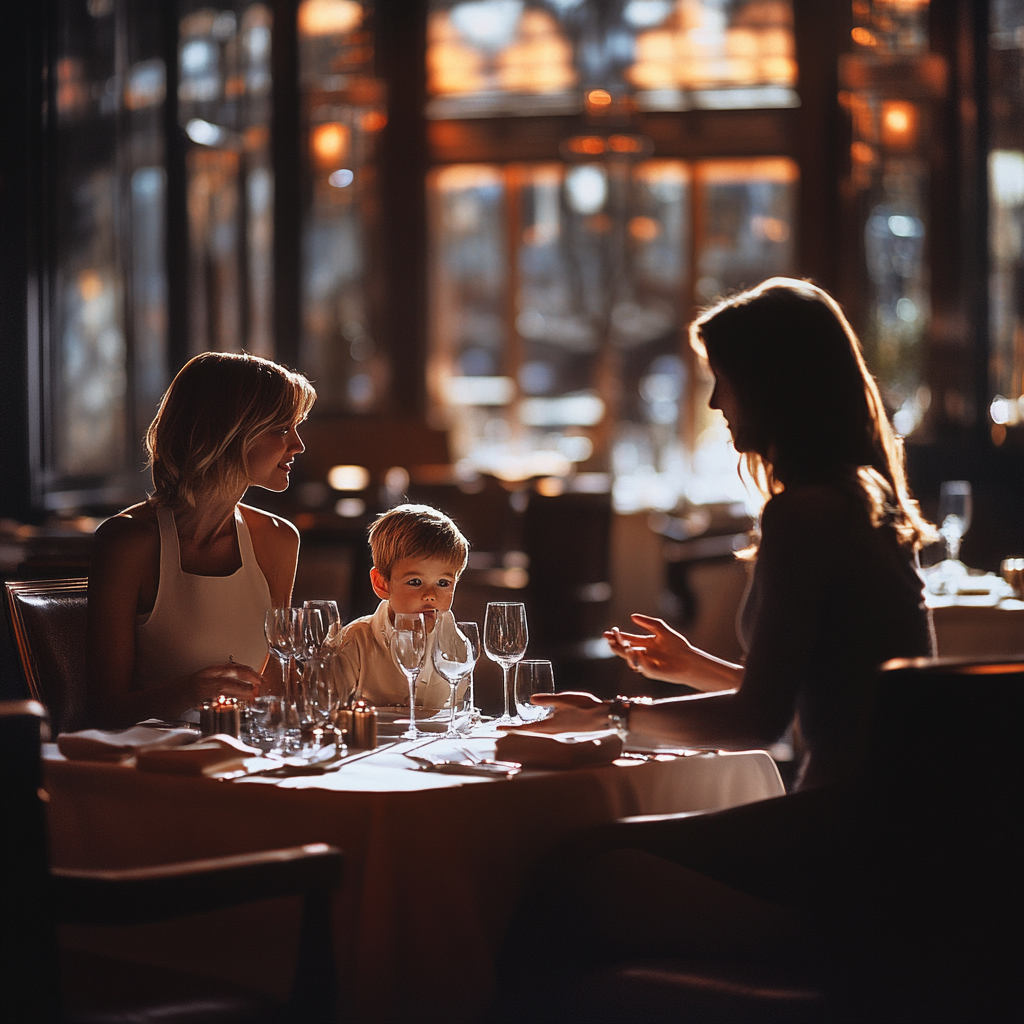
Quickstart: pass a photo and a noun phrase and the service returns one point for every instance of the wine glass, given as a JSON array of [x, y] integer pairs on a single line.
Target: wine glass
[[954, 515], [409, 648], [505, 640], [533, 677], [284, 629], [456, 648], [471, 631], [330, 618]]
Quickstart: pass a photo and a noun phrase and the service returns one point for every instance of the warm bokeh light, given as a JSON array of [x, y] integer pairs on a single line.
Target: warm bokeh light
[[899, 124], [862, 37], [644, 229], [348, 478], [373, 121], [329, 17], [90, 284], [599, 98], [592, 145], [625, 144], [330, 143]]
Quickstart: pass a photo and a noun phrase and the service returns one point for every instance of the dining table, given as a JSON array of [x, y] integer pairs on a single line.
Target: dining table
[[436, 864]]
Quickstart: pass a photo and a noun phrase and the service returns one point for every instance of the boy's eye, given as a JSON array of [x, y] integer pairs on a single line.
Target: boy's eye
[[413, 582], [444, 583]]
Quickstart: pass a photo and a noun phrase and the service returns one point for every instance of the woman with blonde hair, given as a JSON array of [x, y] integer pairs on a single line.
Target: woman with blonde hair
[[180, 583]]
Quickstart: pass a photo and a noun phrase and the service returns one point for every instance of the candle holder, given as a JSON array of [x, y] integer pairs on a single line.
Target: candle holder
[[223, 715]]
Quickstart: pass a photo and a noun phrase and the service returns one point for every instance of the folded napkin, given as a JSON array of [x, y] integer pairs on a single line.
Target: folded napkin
[[212, 754], [99, 745], [559, 750]]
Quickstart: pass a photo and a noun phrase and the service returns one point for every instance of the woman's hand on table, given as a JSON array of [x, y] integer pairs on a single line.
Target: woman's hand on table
[[666, 654], [573, 712], [230, 680]]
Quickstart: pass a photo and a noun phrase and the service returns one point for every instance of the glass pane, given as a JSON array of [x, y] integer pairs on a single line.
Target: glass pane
[[469, 290], [524, 56], [344, 111], [89, 358], [746, 212], [224, 105], [1006, 217], [106, 345]]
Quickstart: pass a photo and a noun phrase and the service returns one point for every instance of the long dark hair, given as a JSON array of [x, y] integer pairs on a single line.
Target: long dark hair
[[811, 409]]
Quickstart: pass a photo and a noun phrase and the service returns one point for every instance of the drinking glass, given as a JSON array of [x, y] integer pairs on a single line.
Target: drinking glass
[[455, 653], [505, 640], [954, 515], [408, 648], [533, 677], [284, 629], [471, 631], [331, 619]]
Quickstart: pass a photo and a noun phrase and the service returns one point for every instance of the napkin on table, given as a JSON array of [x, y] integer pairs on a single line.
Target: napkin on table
[[213, 753], [559, 750], [100, 745]]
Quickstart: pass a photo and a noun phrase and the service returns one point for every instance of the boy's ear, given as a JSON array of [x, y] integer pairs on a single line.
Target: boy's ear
[[379, 584]]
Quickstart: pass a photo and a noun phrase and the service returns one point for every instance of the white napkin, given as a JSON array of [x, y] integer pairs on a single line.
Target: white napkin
[[559, 750], [100, 745], [212, 754]]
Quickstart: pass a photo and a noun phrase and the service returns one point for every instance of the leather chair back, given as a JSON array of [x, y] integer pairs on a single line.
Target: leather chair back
[[48, 620]]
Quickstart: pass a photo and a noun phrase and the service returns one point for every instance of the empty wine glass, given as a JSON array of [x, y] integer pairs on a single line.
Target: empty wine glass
[[533, 677], [954, 515], [330, 618], [505, 640], [471, 631], [408, 648], [284, 629], [456, 648]]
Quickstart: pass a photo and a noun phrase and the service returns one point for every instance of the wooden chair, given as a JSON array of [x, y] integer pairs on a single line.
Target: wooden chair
[[48, 622], [37, 984]]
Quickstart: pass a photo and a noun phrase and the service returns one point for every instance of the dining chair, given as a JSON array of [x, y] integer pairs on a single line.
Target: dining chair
[[915, 866], [40, 983], [48, 622]]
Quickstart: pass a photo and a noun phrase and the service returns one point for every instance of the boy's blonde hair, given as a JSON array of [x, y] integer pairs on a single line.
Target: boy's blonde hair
[[408, 530], [216, 406]]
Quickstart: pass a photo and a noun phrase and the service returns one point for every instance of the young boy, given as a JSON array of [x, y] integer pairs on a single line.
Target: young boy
[[418, 556]]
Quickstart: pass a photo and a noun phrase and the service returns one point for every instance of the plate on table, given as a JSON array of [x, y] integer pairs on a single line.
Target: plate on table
[[392, 720]]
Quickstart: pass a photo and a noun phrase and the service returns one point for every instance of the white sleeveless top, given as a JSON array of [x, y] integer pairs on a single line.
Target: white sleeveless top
[[201, 620]]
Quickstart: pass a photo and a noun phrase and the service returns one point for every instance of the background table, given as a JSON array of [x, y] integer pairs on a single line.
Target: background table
[[435, 864]]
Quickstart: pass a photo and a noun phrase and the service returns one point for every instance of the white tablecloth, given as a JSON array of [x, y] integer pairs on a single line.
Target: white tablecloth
[[435, 864]]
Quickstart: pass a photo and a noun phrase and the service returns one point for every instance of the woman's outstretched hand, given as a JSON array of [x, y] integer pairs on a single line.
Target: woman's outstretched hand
[[666, 654], [574, 712], [231, 680]]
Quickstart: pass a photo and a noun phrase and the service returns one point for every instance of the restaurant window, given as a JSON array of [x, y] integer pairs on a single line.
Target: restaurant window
[[118, 204], [102, 313], [561, 292], [1006, 217], [343, 112], [495, 57]]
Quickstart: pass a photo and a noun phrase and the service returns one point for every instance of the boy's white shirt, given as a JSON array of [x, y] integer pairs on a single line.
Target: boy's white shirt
[[365, 660]]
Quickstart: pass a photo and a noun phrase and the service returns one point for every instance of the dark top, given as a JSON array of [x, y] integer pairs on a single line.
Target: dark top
[[831, 598]]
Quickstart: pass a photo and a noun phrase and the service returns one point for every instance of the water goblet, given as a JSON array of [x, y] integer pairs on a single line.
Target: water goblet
[[409, 648], [284, 630], [454, 655], [533, 677], [505, 640], [954, 515]]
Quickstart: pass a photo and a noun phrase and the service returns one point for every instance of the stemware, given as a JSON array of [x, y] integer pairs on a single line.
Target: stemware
[[284, 629], [456, 648], [471, 631], [409, 648], [330, 618], [505, 640], [533, 677], [954, 515]]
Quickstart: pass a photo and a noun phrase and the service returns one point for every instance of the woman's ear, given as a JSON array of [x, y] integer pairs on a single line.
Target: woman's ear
[[380, 585]]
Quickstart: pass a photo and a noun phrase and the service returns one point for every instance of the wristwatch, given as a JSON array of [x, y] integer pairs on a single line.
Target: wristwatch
[[619, 709]]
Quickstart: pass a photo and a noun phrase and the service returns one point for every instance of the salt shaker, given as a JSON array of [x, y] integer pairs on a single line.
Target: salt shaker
[[364, 725]]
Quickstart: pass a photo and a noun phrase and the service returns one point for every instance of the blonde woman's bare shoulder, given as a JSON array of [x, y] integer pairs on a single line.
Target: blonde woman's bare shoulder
[[132, 532], [269, 528]]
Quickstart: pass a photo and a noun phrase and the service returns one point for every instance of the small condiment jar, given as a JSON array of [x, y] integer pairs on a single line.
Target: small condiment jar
[[364, 726]]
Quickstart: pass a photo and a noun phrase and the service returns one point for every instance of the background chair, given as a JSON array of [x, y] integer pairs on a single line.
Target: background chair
[[38, 985], [48, 623]]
